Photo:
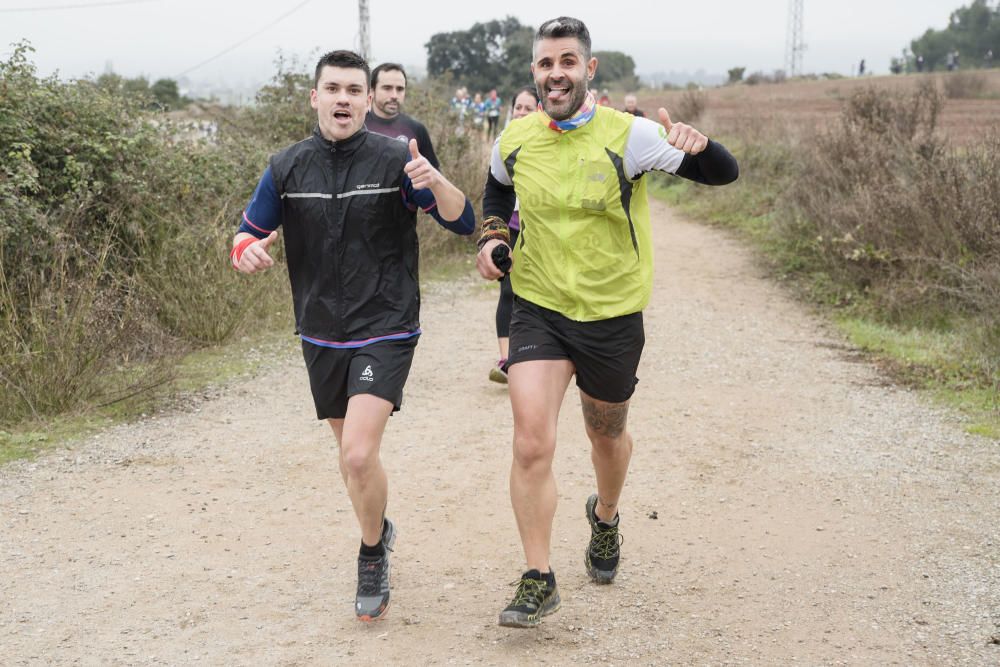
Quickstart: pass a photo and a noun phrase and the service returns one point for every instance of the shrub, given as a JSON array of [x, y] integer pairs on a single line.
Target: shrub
[[891, 211], [110, 232], [115, 227], [692, 105], [963, 85]]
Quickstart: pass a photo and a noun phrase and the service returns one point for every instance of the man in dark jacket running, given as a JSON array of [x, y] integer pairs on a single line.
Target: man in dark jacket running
[[346, 199]]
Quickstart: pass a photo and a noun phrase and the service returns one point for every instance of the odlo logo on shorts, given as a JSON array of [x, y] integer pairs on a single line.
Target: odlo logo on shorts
[[367, 376]]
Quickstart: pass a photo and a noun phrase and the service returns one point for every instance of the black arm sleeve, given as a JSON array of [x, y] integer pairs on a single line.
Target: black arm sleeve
[[713, 166], [498, 199], [425, 146]]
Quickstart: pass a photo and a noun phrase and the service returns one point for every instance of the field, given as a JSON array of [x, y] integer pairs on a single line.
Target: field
[[804, 104]]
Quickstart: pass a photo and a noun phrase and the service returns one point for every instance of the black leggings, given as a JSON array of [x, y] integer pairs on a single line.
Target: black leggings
[[506, 303]]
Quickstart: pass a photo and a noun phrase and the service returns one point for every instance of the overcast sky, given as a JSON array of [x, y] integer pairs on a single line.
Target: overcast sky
[[165, 38]]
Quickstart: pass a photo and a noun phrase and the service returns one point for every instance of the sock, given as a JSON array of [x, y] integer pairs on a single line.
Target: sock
[[377, 551], [605, 524]]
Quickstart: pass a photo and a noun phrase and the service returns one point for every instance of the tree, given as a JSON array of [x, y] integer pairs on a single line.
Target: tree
[[736, 74], [487, 55], [166, 94], [615, 67], [972, 31]]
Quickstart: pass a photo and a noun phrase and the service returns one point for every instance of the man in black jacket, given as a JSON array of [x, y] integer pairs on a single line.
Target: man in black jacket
[[346, 200], [386, 115]]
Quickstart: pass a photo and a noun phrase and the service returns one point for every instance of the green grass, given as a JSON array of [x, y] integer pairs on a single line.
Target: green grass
[[937, 359]]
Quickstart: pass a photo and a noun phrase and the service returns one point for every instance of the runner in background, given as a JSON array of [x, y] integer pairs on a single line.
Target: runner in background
[[525, 102]]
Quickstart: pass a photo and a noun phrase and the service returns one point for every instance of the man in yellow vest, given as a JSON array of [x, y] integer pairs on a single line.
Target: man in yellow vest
[[582, 272]]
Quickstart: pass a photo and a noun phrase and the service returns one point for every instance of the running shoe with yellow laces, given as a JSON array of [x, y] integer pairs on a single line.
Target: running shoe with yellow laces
[[536, 596], [604, 549]]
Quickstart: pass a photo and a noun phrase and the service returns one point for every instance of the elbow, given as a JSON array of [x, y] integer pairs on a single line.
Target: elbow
[[467, 223], [464, 225], [728, 176], [733, 175]]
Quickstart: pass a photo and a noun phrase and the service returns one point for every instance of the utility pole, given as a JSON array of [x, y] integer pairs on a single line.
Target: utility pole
[[363, 29], [794, 45]]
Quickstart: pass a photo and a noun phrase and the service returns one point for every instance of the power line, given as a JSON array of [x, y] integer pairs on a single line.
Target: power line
[[245, 39], [89, 5]]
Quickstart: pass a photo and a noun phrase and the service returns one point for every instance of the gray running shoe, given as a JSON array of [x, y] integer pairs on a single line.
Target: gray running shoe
[[604, 549], [372, 599], [533, 599]]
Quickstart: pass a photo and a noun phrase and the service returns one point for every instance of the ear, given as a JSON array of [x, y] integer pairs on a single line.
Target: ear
[[591, 68], [314, 99]]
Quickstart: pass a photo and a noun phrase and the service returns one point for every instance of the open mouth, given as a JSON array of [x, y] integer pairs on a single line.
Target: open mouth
[[342, 115], [558, 93]]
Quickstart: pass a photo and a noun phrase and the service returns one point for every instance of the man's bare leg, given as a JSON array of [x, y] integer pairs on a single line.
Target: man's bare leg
[[537, 389], [610, 451], [360, 437]]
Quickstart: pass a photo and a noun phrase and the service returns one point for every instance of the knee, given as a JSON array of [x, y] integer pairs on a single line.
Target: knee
[[531, 451], [608, 444], [358, 460]]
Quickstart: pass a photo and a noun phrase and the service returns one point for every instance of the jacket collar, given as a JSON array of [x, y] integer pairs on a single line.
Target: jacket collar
[[344, 146]]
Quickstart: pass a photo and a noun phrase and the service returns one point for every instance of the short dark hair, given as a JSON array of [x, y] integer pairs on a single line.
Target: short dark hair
[[387, 67], [565, 26], [531, 90], [341, 58]]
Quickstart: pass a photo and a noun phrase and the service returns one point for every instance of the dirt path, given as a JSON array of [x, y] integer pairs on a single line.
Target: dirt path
[[805, 510]]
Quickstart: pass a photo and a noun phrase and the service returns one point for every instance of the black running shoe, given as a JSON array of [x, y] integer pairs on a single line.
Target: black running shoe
[[372, 599], [535, 597], [604, 549]]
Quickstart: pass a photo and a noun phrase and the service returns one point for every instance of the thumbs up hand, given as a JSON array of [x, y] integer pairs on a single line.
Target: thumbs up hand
[[254, 256], [681, 135], [420, 172]]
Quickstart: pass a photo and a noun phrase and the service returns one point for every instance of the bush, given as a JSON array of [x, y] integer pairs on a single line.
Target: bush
[[964, 85], [691, 105], [115, 227], [893, 213], [110, 256]]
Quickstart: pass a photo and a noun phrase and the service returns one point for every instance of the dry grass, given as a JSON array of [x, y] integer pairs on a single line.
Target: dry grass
[[802, 106]]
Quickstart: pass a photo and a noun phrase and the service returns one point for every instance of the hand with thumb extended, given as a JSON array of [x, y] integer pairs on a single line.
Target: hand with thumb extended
[[419, 170], [265, 243], [681, 135], [255, 256], [665, 119]]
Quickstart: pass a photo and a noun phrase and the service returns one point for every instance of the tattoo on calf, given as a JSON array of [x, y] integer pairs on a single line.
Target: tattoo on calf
[[607, 419], [606, 503]]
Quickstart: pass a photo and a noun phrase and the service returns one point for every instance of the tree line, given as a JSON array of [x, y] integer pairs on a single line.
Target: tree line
[[973, 32], [495, 54]]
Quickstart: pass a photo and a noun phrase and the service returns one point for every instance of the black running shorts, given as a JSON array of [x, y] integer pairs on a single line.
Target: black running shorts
[[605, 352], [379, 369]]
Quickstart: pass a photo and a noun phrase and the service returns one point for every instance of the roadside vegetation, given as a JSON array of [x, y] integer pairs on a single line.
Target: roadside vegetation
[[115, 229], [890, 227]]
